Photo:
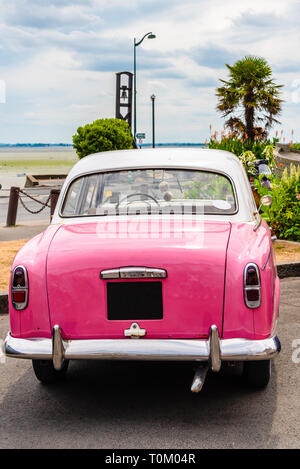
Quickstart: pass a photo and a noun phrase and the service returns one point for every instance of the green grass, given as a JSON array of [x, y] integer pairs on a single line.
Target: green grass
[[41, 163]]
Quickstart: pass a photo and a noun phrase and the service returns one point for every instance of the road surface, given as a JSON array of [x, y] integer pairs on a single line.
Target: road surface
[[145, 405]]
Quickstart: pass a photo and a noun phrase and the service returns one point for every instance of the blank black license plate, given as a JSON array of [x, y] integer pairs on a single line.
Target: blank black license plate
[[134, 300]]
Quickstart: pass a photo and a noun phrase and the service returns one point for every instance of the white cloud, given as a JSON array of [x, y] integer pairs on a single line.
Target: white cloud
[[59, 58]]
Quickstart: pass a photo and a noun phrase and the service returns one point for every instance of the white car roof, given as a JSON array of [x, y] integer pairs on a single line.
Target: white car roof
[[198, 158], [181, 158]]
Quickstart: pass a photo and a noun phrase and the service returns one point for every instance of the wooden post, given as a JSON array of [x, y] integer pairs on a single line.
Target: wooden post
[[54, 194], [12, 206]]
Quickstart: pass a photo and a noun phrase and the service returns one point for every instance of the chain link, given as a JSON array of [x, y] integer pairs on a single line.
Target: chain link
[[34, 212]]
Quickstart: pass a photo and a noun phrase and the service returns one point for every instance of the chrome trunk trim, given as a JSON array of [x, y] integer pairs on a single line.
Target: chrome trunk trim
[[133, 272]]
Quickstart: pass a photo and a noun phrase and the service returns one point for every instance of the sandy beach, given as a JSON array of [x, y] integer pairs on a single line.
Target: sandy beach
[[16, 162]]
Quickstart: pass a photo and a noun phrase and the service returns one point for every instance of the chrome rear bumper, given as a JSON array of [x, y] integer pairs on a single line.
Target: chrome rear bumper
[[213, 350]]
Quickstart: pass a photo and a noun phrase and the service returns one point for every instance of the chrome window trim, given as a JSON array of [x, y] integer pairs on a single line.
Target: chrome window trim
[[252, 304], [20, 306], [114, 170], [258, 223], [267, 260]]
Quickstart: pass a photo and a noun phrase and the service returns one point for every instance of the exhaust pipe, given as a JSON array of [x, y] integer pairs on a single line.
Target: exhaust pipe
[[199, 378]]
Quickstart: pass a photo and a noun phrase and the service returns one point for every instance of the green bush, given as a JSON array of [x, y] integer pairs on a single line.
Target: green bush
[[284, 213], [295, 146], [102, 135]]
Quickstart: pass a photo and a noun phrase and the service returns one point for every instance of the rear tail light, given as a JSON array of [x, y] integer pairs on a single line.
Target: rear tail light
[[252, 286], [19, 288]]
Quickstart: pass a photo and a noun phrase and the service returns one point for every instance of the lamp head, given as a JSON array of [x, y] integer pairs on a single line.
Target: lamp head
[[151, 36]]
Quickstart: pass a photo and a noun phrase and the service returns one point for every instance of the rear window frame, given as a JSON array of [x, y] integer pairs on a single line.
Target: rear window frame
[[171, 168]]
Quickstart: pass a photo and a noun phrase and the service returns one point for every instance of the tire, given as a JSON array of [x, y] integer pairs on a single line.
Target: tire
[[46, 373], [257, 374]]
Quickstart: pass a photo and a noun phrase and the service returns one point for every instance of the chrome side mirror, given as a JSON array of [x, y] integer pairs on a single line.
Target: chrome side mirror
[[266, 200]]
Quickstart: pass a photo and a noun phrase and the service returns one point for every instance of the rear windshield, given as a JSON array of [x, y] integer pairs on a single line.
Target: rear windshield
[[151, 191]]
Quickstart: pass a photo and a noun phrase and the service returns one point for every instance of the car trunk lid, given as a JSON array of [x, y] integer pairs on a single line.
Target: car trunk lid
[[184, 304]]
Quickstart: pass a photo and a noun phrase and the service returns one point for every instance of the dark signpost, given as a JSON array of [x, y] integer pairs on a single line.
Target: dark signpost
[[124, 96]]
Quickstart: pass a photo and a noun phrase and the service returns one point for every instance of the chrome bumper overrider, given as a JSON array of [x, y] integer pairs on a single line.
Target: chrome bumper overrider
[[213, 350]]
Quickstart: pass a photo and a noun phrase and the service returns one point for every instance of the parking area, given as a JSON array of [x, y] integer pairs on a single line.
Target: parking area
[[149, 405]]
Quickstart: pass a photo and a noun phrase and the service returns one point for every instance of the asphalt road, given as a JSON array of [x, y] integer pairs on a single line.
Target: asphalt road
[[145, 405]]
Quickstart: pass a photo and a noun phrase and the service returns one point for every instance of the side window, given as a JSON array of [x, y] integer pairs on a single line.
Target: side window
[[90, 188], [72, 198]]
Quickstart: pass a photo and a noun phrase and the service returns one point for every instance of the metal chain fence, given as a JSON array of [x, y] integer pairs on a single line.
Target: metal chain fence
[[15, 196], [44, 204]]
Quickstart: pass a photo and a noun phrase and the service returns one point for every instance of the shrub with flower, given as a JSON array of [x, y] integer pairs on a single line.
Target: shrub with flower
[[236, 145], [247, 157], [284, 213]]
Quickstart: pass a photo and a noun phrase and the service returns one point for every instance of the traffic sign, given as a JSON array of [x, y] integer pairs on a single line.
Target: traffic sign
[[140, 135]]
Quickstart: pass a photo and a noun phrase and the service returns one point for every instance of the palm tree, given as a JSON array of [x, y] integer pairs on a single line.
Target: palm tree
[[250, 98]]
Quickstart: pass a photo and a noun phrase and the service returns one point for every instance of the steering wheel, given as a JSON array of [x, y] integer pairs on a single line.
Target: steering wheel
[[133, 195]]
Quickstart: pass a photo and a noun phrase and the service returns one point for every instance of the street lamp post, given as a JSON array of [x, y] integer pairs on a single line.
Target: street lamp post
[[136, 44], [153, 121]]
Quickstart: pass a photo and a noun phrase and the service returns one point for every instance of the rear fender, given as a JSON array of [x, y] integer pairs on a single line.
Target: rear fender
[[247, 245], [34, 320]]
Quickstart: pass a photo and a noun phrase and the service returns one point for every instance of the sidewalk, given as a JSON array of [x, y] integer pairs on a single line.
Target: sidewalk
[[24, 230]]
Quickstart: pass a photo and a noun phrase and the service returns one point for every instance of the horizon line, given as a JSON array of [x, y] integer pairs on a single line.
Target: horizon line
[[71, 145]]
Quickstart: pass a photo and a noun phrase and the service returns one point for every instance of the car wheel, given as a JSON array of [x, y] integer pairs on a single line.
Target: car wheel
[[46, 373], [257, 373]]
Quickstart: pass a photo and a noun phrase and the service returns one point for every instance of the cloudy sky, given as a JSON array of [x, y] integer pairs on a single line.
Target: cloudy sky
[[58, 60]]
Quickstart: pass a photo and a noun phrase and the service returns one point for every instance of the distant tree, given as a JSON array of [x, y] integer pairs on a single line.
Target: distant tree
[[102, 135], [250, 98]]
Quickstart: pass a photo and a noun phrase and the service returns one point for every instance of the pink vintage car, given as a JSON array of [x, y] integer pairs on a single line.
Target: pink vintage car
[[151, 255]]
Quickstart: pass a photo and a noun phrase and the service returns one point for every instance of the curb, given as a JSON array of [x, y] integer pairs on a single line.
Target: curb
[[3, 303], [291, 269], [284, 270]]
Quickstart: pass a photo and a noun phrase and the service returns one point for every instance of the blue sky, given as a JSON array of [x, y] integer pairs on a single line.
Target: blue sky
[[58, 60]]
